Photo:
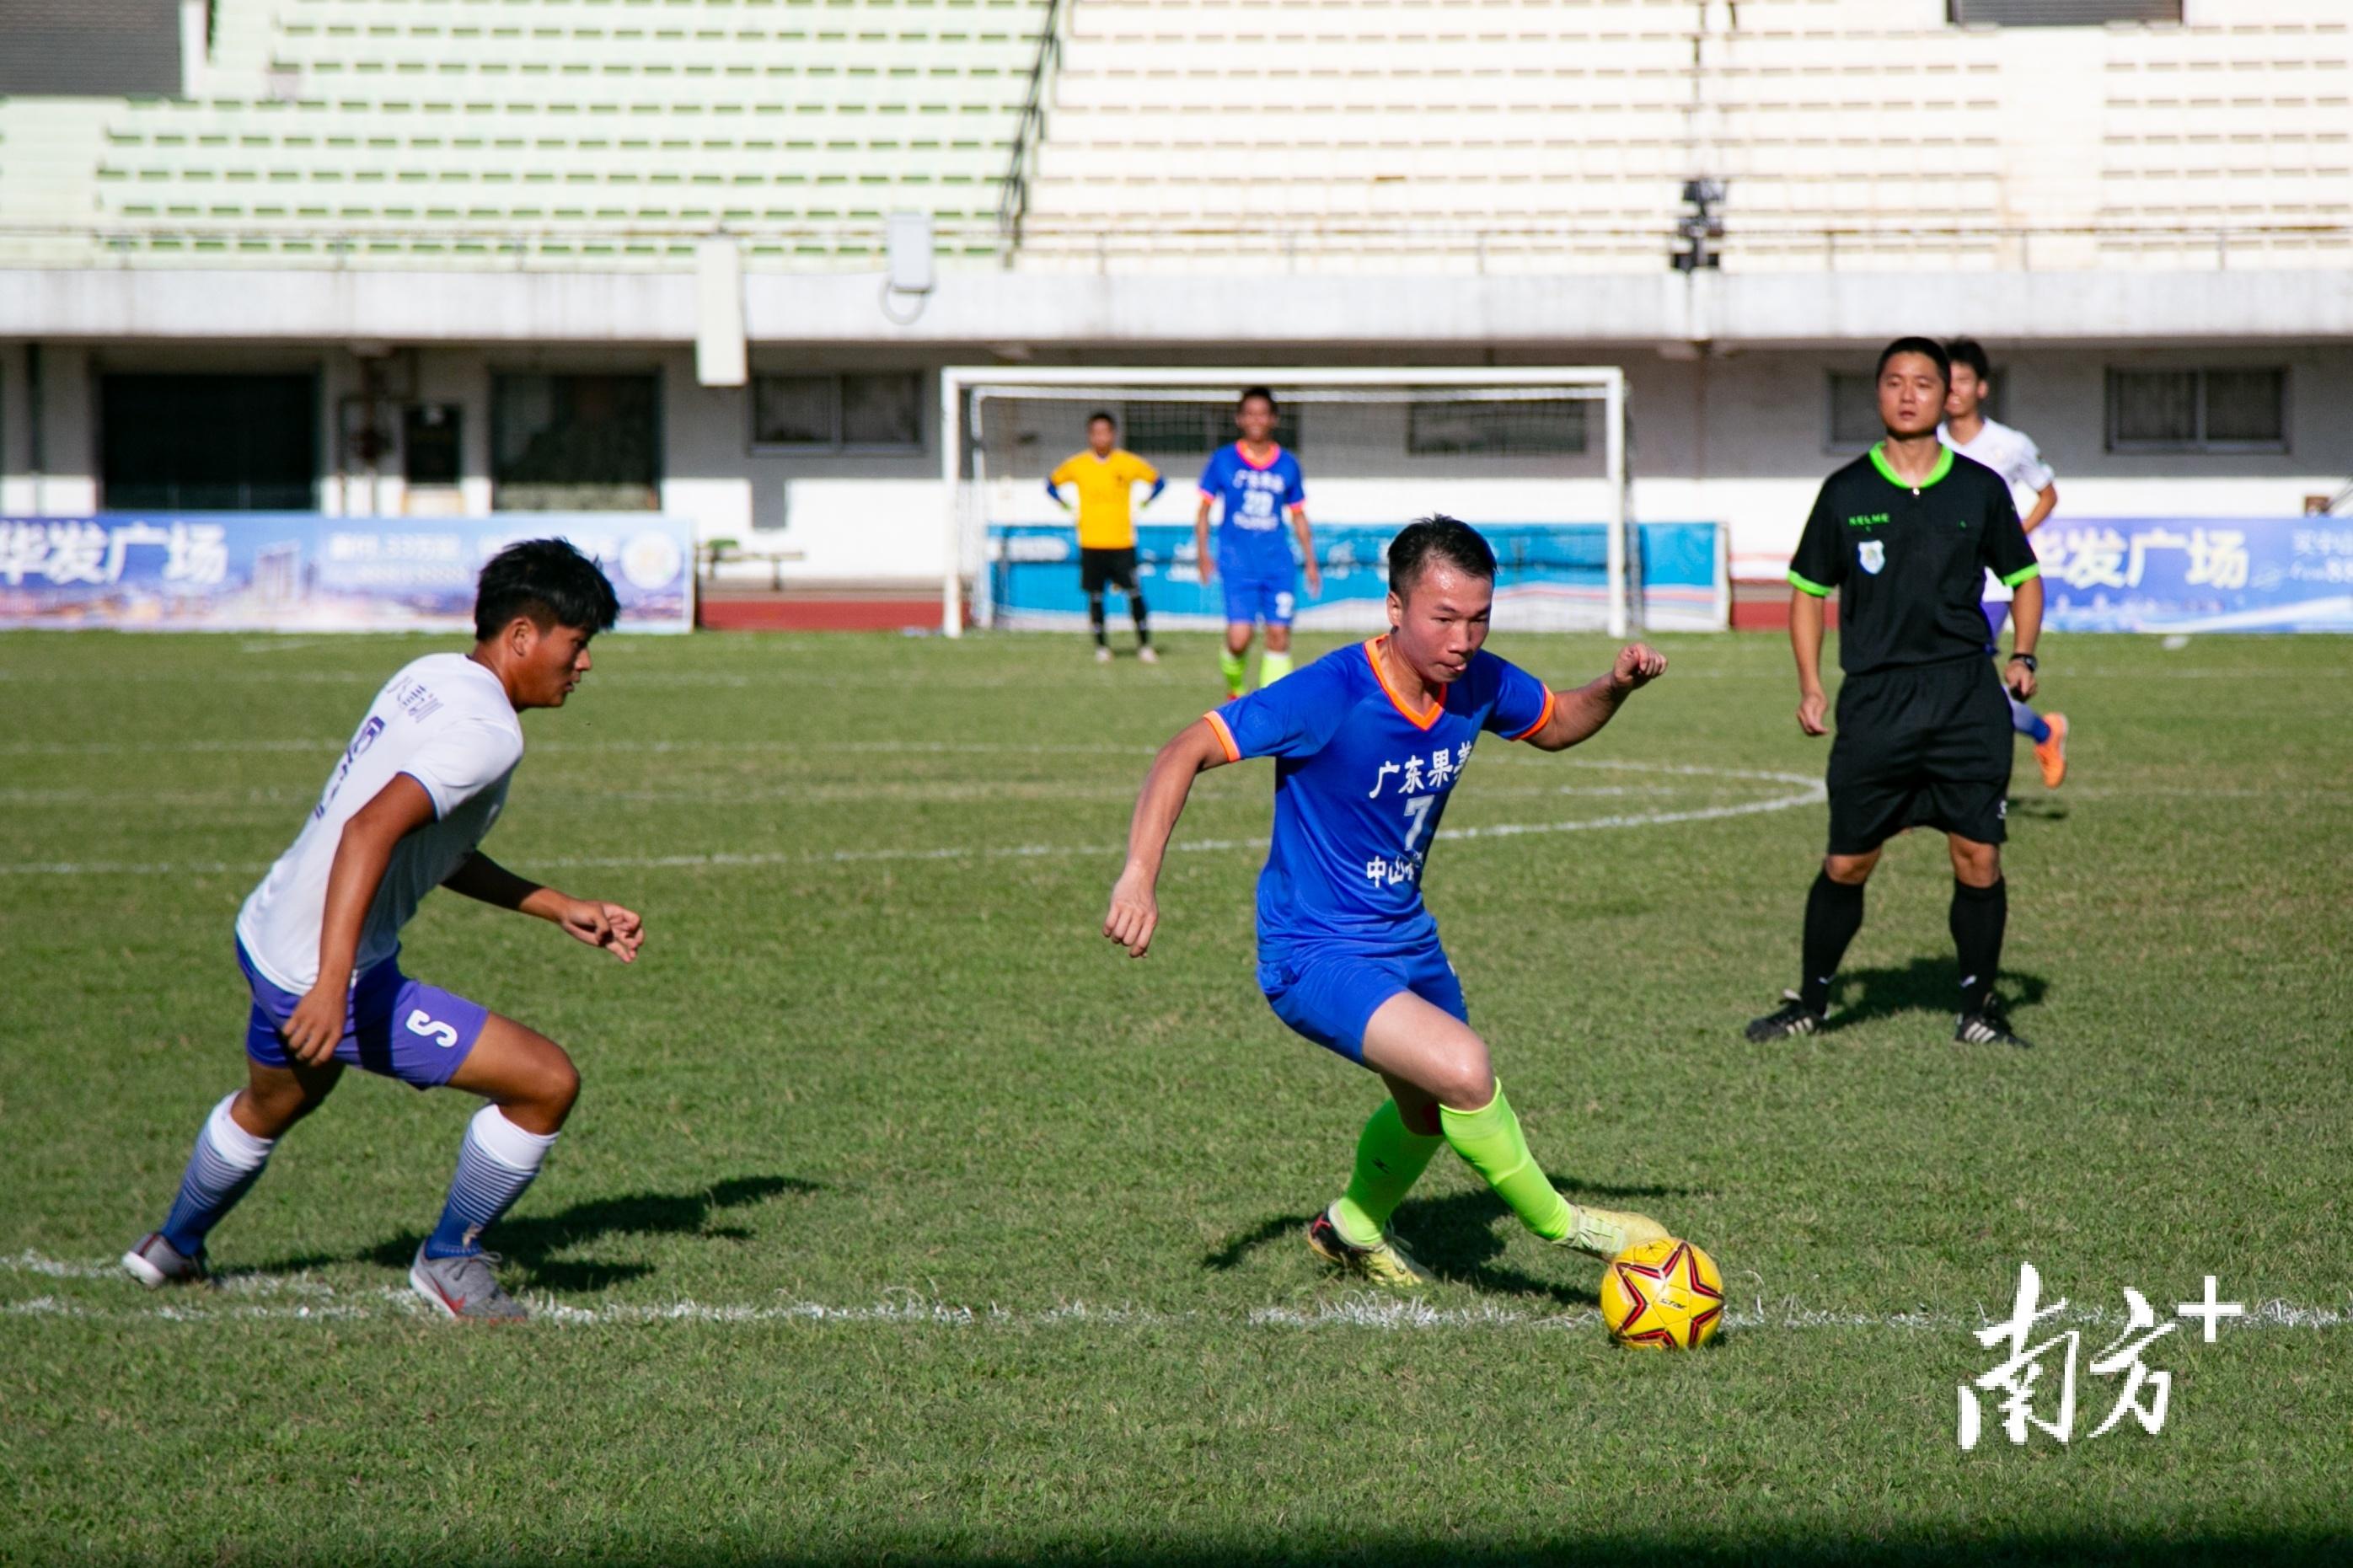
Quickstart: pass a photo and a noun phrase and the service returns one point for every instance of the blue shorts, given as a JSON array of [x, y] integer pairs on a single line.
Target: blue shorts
[[1268, 599], [396, 1027], [1330, 994]]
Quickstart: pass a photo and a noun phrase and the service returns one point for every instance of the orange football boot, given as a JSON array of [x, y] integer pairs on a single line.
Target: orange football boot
[[2051, 755]]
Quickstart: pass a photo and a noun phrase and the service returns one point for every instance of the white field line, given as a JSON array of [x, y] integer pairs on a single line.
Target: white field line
[[327, 747], [645, 681], [1015, 792], [1799, 790], [330, 747], [299, 1298], [893, 681]]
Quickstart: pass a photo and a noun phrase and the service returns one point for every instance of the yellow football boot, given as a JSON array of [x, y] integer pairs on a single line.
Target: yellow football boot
[[1606, 1233], [1387, 1263]]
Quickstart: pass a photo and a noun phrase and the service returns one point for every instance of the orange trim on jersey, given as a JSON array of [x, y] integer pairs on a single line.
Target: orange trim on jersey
[[1225, 736], [1419, 721], [1243, 453], [1543, 719]]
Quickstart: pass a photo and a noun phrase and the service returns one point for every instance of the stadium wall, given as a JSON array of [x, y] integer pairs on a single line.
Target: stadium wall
[[1741, 438]]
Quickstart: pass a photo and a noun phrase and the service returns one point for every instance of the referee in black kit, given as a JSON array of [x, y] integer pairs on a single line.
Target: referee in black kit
[[1905, 534]]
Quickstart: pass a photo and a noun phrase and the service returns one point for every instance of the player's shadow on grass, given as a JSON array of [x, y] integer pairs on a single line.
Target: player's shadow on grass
[[529, 1242], [1923, 985], [2040, 807], [1459, 1238]]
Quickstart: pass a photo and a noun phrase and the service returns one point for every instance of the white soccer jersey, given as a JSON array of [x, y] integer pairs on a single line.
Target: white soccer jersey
[[2012, 453], [2008, 451], [444, 721]]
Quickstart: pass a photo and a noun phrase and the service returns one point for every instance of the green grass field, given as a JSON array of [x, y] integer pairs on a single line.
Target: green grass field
[[902, 1218]]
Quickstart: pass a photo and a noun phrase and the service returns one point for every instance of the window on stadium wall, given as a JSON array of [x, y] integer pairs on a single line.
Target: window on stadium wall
[[2224, 410], [1853, 419], [90, 48], [1519, 428], [208, 443], [2061, 13], [575, 443], [1155, 428], [431, 446], [847, 412]]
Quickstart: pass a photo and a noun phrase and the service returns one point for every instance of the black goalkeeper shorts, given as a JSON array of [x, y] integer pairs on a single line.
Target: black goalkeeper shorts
[[1920, 746], [1099, 569]]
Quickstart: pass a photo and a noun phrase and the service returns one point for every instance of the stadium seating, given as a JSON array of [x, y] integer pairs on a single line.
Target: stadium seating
[[1502, 134], [1190, 134], [610, 128], [2240, 140]]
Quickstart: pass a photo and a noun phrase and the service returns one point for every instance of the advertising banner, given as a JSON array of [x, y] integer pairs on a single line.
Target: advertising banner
[[1549, 576], [302, 571], [2198, 574]]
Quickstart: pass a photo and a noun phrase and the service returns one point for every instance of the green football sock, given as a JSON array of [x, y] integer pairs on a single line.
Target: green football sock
[[1390, 1157], [1233, 666], [1272, 667], [1490, 1141]]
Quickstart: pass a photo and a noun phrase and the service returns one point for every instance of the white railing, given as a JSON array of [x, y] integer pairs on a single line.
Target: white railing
[[1029, 134], [1291, 244], [399, 244]]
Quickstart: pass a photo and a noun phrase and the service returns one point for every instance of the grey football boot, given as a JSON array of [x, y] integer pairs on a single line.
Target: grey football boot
[[156, 1263], [464, 1288]]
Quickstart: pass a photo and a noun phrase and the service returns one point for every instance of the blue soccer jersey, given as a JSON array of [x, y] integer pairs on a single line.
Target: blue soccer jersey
[[1360, 786], [1255, 498]]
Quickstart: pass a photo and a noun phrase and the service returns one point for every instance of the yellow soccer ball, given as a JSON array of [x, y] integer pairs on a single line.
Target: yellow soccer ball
[[1663, 1295]]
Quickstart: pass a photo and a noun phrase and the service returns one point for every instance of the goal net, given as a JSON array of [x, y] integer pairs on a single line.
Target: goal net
[[1535, 459]]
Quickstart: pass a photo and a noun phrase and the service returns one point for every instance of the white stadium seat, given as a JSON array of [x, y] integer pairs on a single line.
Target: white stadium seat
[[1442, 132]]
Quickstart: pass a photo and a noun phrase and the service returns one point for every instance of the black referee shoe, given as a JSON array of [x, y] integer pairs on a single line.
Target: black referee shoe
[[1792, 1019], [1987, 1026]]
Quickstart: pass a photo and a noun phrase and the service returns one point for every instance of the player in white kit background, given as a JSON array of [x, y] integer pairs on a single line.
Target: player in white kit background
[[404, 812], [2011, 453]]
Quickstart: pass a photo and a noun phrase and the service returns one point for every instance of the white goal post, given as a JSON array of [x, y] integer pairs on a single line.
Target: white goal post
[[1513, 448]]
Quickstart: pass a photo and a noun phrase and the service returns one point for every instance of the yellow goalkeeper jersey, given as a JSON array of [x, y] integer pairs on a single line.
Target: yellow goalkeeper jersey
[[1106, 520]]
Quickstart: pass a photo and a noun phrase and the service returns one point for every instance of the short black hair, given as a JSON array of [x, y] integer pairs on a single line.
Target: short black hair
[[1928, 348], [1970, 353], [1251, 392], [550, 582], [1447, 539], [1102, 417]]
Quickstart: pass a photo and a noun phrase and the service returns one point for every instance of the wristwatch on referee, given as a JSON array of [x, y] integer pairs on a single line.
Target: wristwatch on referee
[[2027, 659]]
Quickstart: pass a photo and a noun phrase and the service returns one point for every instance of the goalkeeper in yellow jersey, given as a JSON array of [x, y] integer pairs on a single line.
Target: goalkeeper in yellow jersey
[[1105, 476]]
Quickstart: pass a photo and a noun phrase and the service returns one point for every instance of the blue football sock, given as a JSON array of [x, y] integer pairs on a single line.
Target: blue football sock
[[2027, 722], [495, 1164], [227, 1162]]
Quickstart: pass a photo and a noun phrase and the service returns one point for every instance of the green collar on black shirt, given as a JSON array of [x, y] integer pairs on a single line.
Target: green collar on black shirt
[[1887, 470]]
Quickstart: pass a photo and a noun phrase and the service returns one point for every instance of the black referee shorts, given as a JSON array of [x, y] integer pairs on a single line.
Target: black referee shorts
[[1099, 569], [1921, 746]]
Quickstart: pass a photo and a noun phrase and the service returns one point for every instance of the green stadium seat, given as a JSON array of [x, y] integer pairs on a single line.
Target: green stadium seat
[[463, 112]]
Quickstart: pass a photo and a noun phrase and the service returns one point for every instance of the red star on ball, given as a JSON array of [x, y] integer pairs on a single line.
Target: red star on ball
[[1659, 1291]]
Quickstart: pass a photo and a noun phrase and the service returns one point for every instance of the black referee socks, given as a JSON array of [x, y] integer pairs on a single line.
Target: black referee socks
[[1979, 916], [1833, 915]]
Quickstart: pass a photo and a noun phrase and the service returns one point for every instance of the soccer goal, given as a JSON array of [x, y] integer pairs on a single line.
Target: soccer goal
[[1534, 457]]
